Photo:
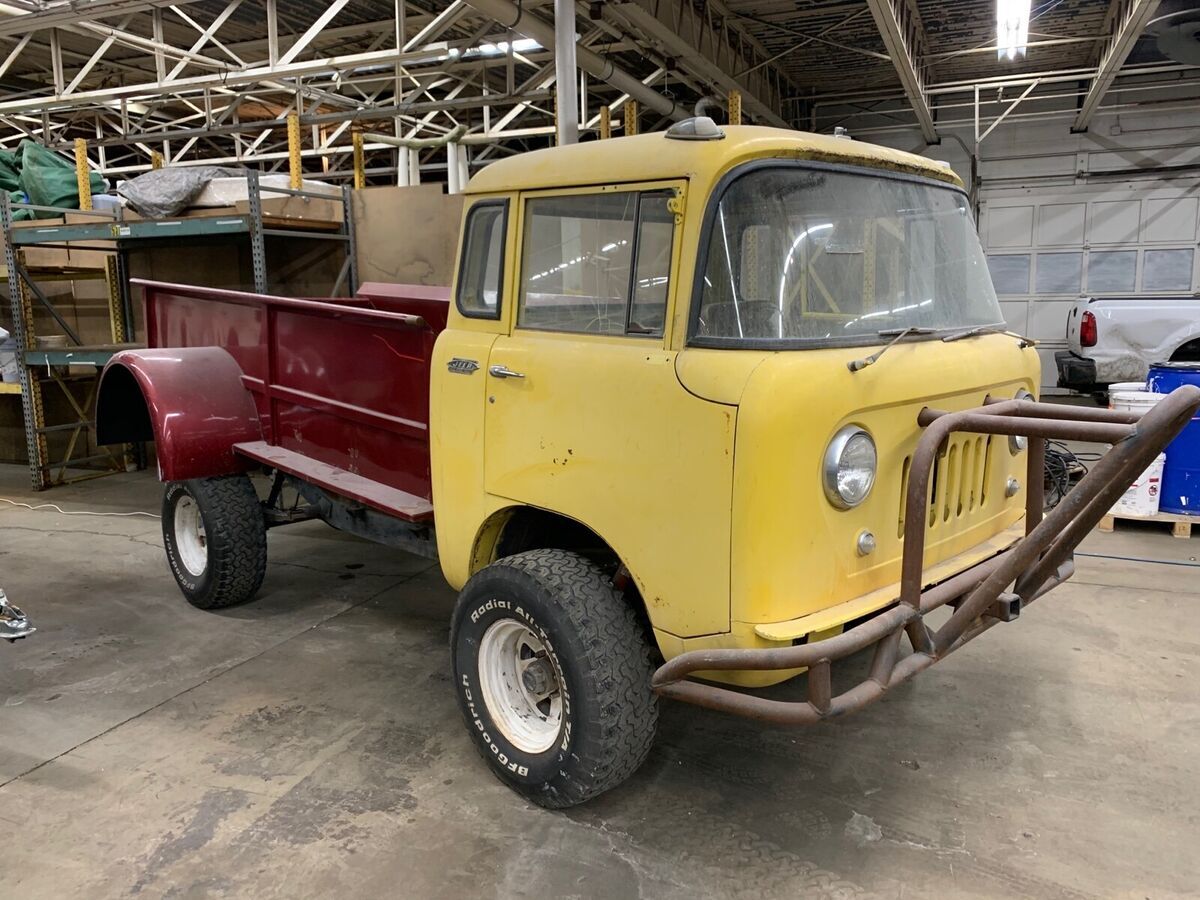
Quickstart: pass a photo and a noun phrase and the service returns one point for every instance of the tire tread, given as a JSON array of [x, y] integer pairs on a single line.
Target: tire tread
[[619, 660], [237, 540]]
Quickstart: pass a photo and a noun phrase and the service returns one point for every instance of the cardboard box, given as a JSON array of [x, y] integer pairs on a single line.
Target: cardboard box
[[50, 257], [92, 319], [407, 235], [300, 209], [296, 267], [58, 410], [89, 254]]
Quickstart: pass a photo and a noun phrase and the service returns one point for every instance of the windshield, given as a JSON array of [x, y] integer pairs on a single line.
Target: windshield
[[809, 255]]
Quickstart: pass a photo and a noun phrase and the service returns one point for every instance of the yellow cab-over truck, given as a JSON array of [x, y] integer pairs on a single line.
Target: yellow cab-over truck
[[704, 410]]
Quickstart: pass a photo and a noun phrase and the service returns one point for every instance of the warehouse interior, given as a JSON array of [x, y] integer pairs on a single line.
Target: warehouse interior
[[666, 370]]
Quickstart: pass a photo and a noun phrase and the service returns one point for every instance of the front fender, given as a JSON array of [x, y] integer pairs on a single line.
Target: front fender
[[190, 401]]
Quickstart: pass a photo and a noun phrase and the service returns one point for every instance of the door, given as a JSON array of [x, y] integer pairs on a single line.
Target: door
[[585, 414]]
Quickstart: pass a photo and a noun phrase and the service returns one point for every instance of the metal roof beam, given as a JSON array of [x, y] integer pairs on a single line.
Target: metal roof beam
[[228, 78], [521, 20], [1126, 21], [904, 36], [71, 13], [712, 48]]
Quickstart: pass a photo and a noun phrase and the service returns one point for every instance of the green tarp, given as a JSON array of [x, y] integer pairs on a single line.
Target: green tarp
[[39, 176], [49, 180], [10, 171]]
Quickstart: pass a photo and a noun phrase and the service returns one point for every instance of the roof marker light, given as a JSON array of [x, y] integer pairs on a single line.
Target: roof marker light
[[698, 128]]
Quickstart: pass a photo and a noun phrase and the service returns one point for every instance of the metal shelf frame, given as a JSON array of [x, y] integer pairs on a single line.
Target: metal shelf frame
[[124, 235]]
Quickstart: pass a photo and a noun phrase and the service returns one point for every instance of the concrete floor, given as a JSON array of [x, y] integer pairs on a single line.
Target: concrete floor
[[309, 744]]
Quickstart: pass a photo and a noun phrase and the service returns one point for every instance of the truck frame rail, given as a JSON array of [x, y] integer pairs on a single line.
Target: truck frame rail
[[980, 595]]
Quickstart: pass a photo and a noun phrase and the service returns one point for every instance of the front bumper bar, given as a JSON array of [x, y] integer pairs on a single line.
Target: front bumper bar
[[992, 591], [1075, 372], [14, 624]]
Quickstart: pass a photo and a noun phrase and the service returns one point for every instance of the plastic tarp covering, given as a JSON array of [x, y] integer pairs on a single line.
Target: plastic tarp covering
[[10, 171], [10, 183], [163, 193], [49, 180]]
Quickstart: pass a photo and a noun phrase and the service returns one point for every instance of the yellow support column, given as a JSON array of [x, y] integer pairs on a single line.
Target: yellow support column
[[156, 160], [293, 129], [631, 116], [116, 310], [83, 174], [605, 122], [360, 173], [735, 107], [35, 433]]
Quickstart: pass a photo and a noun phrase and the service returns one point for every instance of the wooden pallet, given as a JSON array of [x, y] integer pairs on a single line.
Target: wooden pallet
[[1181, 526]]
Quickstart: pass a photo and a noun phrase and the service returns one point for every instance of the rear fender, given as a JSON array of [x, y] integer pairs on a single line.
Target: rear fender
[[190, 401]]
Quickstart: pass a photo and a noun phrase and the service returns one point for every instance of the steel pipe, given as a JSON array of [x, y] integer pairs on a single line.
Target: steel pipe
[[564, 72], [1038, 562]]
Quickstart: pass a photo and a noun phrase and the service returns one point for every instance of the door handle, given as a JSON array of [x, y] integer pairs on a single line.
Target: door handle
[[504, 372]]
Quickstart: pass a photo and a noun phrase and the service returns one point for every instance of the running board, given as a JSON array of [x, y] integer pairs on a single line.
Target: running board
[[392, 501]]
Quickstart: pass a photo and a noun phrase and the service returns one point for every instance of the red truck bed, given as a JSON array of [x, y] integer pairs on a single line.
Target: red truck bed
[[341, 386]]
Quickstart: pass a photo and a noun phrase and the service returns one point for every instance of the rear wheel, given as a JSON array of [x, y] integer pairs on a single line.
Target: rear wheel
[[553, 670], [216, 539]]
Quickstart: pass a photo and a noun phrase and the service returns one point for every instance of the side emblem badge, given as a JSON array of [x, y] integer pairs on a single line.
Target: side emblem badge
[[462, 366]]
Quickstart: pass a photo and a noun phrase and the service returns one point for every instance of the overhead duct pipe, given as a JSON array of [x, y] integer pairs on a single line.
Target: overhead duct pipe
[[512, 16], [453, 135], [703, 104], [408, 170]]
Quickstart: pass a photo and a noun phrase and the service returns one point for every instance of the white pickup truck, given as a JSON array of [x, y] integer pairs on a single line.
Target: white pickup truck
[[1115, 339]]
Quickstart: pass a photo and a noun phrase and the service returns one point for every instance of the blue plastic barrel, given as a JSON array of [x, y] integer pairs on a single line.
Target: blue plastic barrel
[[1181, 476]]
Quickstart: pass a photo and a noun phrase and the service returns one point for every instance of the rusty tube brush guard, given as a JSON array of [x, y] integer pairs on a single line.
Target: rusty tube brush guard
[[1034, 565]]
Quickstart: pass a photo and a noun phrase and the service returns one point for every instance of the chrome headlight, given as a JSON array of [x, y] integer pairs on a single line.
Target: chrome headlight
[[849, 467], [1018, 442]]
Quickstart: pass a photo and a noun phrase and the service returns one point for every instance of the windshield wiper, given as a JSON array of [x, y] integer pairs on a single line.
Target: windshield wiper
[[990, 329], [896, 335], [901, 332]]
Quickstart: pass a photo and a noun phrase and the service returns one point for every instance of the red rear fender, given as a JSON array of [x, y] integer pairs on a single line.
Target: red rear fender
[[190, 401]]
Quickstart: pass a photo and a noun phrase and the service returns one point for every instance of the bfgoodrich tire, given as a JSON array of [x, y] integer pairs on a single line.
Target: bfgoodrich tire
[[216, 539], [552, 670]]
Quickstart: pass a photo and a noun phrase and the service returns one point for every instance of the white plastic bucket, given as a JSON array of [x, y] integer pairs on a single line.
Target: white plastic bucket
[[1134, 401], [1141, 499], [1124, 387]]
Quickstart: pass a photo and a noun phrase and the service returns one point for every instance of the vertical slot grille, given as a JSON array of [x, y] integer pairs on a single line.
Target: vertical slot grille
[[958, 483]]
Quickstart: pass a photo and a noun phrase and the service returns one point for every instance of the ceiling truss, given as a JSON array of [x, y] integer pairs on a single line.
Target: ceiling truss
[[214, 80], [1127, 19]]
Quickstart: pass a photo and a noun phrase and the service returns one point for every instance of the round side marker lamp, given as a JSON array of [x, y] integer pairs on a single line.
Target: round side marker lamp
[[1018, 443], [865, 545]]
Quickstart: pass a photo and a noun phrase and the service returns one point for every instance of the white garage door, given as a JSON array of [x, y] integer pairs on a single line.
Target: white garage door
[[1046, 247]]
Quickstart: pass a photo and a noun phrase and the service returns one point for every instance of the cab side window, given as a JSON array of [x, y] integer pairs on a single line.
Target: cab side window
[[596, 263], [481, 269]]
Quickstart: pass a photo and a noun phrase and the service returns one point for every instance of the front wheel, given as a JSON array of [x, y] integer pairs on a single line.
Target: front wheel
[[216, 539], [552, 670]]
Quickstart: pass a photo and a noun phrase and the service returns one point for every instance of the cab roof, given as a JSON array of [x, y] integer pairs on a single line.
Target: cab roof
[[655, 157]]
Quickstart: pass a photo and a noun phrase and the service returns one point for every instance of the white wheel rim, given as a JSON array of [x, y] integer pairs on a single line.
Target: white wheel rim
[[521, 686], [190, 539]]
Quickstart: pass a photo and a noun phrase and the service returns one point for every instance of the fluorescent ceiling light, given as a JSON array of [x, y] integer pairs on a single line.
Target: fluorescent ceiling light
[[1012, 28], [521, 45]]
